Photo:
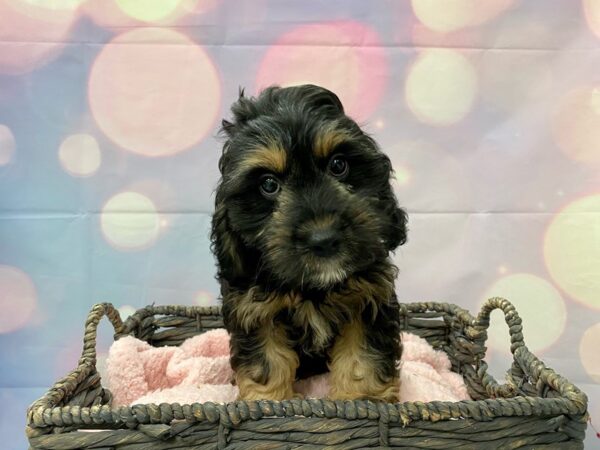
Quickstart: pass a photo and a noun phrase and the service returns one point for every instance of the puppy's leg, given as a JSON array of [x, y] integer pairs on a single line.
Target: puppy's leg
[[364, 360], [265, 364]]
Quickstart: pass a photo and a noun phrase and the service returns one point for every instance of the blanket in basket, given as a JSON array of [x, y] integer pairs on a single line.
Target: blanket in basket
[[198, 371]]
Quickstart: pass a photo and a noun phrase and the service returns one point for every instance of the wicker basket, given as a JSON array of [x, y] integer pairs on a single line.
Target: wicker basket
[[536, 409]]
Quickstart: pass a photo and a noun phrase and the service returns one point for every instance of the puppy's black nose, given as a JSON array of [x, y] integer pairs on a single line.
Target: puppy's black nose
[[324, 242]]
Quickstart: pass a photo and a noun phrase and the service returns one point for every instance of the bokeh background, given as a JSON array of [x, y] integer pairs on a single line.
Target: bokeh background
[[489, 109]]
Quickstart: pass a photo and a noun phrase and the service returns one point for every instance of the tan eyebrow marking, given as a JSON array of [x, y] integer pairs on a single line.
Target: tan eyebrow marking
[[271, 157], [328, 139]]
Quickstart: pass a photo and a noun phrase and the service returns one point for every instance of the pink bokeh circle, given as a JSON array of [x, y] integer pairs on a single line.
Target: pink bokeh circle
[[345, 57], [18, 299], [31, 34]]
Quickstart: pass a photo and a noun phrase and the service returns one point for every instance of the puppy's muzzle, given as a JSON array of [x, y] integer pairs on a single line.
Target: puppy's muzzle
[[320, 236]]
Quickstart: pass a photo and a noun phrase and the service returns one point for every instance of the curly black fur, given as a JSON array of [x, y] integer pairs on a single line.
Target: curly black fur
[[262, 244]]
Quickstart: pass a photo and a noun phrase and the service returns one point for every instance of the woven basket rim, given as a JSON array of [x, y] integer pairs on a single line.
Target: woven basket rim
[[44, 413]]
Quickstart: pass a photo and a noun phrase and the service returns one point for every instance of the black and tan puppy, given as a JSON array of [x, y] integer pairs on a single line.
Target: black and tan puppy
[[304, 222]]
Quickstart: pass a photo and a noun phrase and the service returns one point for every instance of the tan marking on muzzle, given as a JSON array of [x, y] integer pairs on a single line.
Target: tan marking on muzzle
[[322, 222]]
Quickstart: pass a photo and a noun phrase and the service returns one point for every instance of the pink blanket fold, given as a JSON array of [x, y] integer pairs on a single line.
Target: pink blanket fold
[[199, 371]]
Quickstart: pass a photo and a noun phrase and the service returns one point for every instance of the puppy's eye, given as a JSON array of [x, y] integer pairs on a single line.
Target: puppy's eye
[[338, 166], [269, 186]]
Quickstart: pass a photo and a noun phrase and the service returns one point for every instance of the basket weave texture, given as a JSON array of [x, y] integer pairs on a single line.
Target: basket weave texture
[[535, 409]]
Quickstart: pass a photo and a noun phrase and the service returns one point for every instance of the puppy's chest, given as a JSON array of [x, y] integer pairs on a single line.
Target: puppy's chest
[[313, 327]]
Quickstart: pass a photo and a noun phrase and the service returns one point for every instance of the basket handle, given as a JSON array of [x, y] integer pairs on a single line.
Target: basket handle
[[515, 329], [87, 363], [99, 310], [511, 316]]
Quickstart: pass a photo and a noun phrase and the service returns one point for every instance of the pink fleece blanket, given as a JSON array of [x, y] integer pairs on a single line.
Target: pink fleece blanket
[[199, 371]]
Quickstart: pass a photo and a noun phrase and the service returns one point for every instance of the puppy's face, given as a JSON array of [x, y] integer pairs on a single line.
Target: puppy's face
[[305, 199]]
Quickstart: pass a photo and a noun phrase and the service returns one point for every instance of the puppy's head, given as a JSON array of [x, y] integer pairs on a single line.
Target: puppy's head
[[305, 198]]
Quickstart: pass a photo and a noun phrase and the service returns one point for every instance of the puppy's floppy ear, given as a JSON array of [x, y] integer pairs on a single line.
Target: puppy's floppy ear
[[226, 245], [397, 219], [396, 233]]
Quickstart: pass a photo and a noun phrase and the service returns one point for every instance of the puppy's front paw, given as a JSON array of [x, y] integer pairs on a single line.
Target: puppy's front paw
[[260, 393], [389, 392], [251, 390]]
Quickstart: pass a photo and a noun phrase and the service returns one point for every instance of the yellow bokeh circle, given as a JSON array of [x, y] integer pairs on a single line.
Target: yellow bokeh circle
[[576, 126], [540, 306], [453, 15], [592, 15], [589, 346], [79, 155], [154, 10], [572, 250], [154, 92], [129, 221], [402, 175], [441, 87], [204, 298], [125, 311]]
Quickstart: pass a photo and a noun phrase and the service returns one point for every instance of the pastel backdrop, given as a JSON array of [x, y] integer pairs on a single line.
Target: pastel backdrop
[[489, 110]]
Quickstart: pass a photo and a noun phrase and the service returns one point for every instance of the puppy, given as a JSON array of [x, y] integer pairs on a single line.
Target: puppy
[[304, 221]]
